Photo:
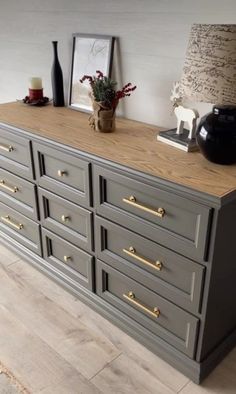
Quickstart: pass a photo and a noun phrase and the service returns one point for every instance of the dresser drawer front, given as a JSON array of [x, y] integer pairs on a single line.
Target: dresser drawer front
[[18, 194], [171, 275], [21, 228], [182, 225], [68, 259], [158, 315], [63, 174], [15, 154], [66, 219]]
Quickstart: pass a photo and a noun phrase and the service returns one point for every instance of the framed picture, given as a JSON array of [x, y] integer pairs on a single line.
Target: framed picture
[[89, 53]]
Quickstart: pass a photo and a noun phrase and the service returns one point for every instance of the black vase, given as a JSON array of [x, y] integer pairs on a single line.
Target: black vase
[[216, 135], [57, 79]]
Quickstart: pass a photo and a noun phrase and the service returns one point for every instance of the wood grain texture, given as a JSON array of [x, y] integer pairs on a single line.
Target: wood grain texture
[[76, 344], [95, 323], [133, 144], [43, 371], [34, 363], [6, 256], [146, 363]]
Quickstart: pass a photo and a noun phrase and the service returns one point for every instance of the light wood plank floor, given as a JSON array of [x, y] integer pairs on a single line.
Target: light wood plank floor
[[54, 344]]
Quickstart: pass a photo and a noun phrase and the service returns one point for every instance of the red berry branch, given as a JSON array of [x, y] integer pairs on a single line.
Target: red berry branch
[[104, 91]]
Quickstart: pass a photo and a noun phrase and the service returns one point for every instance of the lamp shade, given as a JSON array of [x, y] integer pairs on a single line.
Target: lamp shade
[[209, 72]]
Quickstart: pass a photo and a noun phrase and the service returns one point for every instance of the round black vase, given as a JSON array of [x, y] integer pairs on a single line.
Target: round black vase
[[57, 79], [216, 135]]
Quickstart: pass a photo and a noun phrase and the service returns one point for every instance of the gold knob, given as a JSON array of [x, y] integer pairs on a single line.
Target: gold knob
[[159, 265], [132, 198], [161, 211], [156, 311], [61, 173], [66, 258], [131, 295], [65, 218]]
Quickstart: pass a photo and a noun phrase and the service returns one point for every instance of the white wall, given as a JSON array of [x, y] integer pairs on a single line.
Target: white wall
[[153, 36]]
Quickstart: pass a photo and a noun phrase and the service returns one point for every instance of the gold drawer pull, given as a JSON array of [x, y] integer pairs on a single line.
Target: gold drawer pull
[[132, 252], [61, 173], [9, 221], [5, 186], [65, 218], [131, 297], [66, 258], [6, 148], [160, 212]]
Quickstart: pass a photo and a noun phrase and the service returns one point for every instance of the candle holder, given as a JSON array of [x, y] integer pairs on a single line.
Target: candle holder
[[35, 94]]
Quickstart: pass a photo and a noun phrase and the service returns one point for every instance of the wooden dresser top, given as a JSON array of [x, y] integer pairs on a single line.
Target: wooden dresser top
[[133, 144]]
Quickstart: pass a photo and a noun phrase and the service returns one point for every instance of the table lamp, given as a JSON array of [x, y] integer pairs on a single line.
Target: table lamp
[[209, 75]]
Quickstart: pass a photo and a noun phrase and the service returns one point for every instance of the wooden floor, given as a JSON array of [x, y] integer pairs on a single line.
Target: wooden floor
[[54, 344]]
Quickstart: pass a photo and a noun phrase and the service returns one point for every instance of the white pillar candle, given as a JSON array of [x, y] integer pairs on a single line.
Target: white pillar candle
[[36, 83]]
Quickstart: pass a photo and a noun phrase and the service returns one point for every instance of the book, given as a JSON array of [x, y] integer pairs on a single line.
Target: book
[[180, 141]]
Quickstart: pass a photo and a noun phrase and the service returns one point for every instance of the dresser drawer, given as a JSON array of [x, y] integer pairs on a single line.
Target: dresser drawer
[[15, 153], [153, 312], [173, 221], [18, 194], [20, 228], [66, 219], [69, 260], [171, 275], [63, 174]]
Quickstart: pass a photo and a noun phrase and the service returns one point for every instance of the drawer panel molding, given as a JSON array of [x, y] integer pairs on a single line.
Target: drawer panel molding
[[167, 273], [164, 217], [63, 174], [20, 228], [18, 193], [16, 154], [68, 259], [66, 219], [158, 315]]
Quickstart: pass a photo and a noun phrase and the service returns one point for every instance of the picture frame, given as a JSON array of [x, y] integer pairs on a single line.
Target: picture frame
[[89, 54]]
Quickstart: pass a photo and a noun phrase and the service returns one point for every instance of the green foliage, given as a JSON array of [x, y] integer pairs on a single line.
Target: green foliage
[[104, 90]]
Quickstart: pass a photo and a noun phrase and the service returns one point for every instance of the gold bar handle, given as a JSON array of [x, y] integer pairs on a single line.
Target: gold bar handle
[[5, 186], [157, 265], [9, 221], [61, 173], [155, 312], [66, 258], [6, 148], [131, 200]]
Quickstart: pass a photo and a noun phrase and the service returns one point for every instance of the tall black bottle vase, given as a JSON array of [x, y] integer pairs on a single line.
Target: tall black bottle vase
[[57, 79]]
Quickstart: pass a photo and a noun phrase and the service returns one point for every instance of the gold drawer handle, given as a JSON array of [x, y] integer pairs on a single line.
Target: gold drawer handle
[[132, 252], [6, 148], [9, 221], [131, 297], [66, 258], [5, 186], [61, 173], [65, 218], [160, 212]]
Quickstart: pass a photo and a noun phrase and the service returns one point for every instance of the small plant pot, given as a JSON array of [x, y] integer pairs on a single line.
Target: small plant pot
[[102, 119]]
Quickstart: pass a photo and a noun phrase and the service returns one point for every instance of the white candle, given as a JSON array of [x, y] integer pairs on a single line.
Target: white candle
[[36, 83]]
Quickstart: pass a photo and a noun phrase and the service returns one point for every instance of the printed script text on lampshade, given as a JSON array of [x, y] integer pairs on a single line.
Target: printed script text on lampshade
[[209, 72]]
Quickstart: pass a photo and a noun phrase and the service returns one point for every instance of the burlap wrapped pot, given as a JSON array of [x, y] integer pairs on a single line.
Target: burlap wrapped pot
[[102, 118]]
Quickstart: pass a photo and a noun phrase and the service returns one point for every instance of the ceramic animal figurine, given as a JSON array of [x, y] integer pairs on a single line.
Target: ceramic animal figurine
[[186, 115]]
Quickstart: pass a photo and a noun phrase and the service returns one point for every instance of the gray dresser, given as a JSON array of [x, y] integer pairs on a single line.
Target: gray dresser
[[155, 254]]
